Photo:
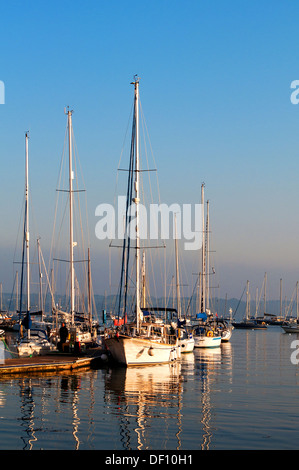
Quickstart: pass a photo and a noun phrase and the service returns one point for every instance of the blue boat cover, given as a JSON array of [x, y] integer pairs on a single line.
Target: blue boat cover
[[201, 316]]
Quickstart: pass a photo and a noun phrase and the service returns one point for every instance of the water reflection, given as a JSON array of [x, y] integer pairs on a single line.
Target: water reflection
[[49, 406], [27, 414], [241, 395], [142, 398], [152, 404], [170, 406], [206, 362]]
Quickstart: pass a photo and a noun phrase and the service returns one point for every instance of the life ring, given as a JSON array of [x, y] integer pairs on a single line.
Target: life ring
[[210, 333]]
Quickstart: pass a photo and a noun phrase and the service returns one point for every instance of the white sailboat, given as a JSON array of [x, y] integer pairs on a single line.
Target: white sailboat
[[205, 334], [80, 335], [31, 341], [225, 329], [35, 342], [185, 337], [140, 342]]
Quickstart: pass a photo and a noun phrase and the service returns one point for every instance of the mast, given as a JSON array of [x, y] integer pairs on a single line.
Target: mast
[[203, 301], [247, 301], [280, 298], [17, 290], [208, 259], [265, 294], [69, 117], [297, 311], [40, 280], [200, 292], [143, 280], [27, 220], [136, 199], [177, 272], [89, 292], [256, 302]]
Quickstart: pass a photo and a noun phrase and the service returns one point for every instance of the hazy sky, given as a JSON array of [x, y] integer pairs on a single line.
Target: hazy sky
[[215, 90]]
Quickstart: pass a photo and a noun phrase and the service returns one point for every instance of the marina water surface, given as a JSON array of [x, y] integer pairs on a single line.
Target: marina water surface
[[243, 395]]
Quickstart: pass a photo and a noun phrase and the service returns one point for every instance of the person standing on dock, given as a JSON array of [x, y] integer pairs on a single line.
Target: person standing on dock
[[63, 333]]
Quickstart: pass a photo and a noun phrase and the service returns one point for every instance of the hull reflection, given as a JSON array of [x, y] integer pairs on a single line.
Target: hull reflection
[[146, 398]]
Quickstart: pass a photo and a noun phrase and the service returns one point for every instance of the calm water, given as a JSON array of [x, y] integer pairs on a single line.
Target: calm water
[[244, 395]]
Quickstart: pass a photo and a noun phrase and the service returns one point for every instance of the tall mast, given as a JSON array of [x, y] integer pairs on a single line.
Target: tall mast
[[256, 302], [265, 294], [280, 298], [27, 220], [208, 258], [89, 292], [136, 199], [247, 301], [40, 279], [143, 280], [69, 118], [203, 302], [17, 290], [297, 311], [177, 273]]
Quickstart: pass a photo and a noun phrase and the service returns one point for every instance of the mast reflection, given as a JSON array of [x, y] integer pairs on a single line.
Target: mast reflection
[[63, 410], [145, 398]]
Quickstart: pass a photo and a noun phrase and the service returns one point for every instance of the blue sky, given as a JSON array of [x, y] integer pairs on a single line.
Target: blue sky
[[215, 91]]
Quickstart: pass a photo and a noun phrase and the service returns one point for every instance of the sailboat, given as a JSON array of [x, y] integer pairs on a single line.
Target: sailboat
[[139, 342], [80, 333], [32, 341], [248, 323], [278, 320], [206, 334], [261, 320], [294, 326], [185, 337], [224, 328]]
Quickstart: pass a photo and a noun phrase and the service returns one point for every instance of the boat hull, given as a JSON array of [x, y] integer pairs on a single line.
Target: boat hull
[[249, 326], [32, 348], [291, 329], [186, 345], [130, 351], [207, 341], [35, 343], [226, 335]]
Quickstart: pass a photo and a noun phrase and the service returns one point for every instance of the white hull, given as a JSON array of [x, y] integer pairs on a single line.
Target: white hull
[[128, 351], [207, 341], [186, 345], [226, 335], [35, 348], [35, 344]]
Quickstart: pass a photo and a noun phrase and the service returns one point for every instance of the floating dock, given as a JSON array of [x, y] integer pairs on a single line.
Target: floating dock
[[52, 362]]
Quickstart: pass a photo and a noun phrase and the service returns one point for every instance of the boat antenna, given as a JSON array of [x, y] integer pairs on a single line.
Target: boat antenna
[[136, 79]]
